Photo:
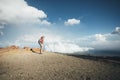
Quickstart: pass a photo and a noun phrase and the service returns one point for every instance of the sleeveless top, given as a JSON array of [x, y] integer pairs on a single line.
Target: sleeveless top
[[41, 41]]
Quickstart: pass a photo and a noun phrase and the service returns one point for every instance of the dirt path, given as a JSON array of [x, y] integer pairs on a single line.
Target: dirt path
[[26, 65]]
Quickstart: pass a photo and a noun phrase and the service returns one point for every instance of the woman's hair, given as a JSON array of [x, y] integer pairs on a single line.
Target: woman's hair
[[42, 36]]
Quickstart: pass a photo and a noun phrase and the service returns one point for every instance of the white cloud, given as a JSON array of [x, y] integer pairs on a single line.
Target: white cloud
[[100, 37], [45, 22], [101, 41], [116, 31], [72, 21], [65, 47], [53, 43], [18, 11]]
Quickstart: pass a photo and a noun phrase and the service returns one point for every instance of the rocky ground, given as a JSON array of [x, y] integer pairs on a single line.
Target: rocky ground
[[24, 64]]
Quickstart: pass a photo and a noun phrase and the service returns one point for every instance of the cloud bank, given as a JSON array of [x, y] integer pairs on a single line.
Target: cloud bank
[[19, 12], [108, 42], [57, 43], [53, 43], [71, 22], [100, 37], [65, 47]]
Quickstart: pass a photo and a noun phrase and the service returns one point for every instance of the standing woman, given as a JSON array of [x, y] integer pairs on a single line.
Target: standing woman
[[41, 43]]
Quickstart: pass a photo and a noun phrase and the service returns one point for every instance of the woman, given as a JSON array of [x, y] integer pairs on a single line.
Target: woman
[[41, 43]]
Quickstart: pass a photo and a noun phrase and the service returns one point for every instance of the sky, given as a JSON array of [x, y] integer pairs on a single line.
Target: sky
[[68, 25]]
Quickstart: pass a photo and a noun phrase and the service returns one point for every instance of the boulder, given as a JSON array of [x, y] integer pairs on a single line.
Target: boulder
[[13, 47], [27, 48]]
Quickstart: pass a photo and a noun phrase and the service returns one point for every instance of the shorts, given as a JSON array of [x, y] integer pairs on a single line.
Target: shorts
[[41, 45]]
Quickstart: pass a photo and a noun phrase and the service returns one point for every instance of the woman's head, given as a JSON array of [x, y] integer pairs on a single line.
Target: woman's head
[[42, 36]]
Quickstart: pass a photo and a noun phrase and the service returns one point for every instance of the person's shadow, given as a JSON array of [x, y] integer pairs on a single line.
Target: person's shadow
[[35, 51]]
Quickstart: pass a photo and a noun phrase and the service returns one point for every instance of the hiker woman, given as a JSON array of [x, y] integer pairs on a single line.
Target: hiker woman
[[41, 43]]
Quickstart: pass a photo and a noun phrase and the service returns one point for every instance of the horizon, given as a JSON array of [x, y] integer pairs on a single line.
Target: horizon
[[68, 26]]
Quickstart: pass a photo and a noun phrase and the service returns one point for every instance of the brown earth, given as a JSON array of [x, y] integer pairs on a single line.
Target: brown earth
[[22, 64]]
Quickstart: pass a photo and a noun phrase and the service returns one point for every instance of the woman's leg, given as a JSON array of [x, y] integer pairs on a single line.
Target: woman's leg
[[40, 48]]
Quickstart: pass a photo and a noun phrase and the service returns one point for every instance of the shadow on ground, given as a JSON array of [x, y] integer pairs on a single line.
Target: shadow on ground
[[34, 51]]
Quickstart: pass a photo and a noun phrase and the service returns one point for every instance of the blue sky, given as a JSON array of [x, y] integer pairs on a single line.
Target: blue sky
[[78, 24], [102, 14]]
